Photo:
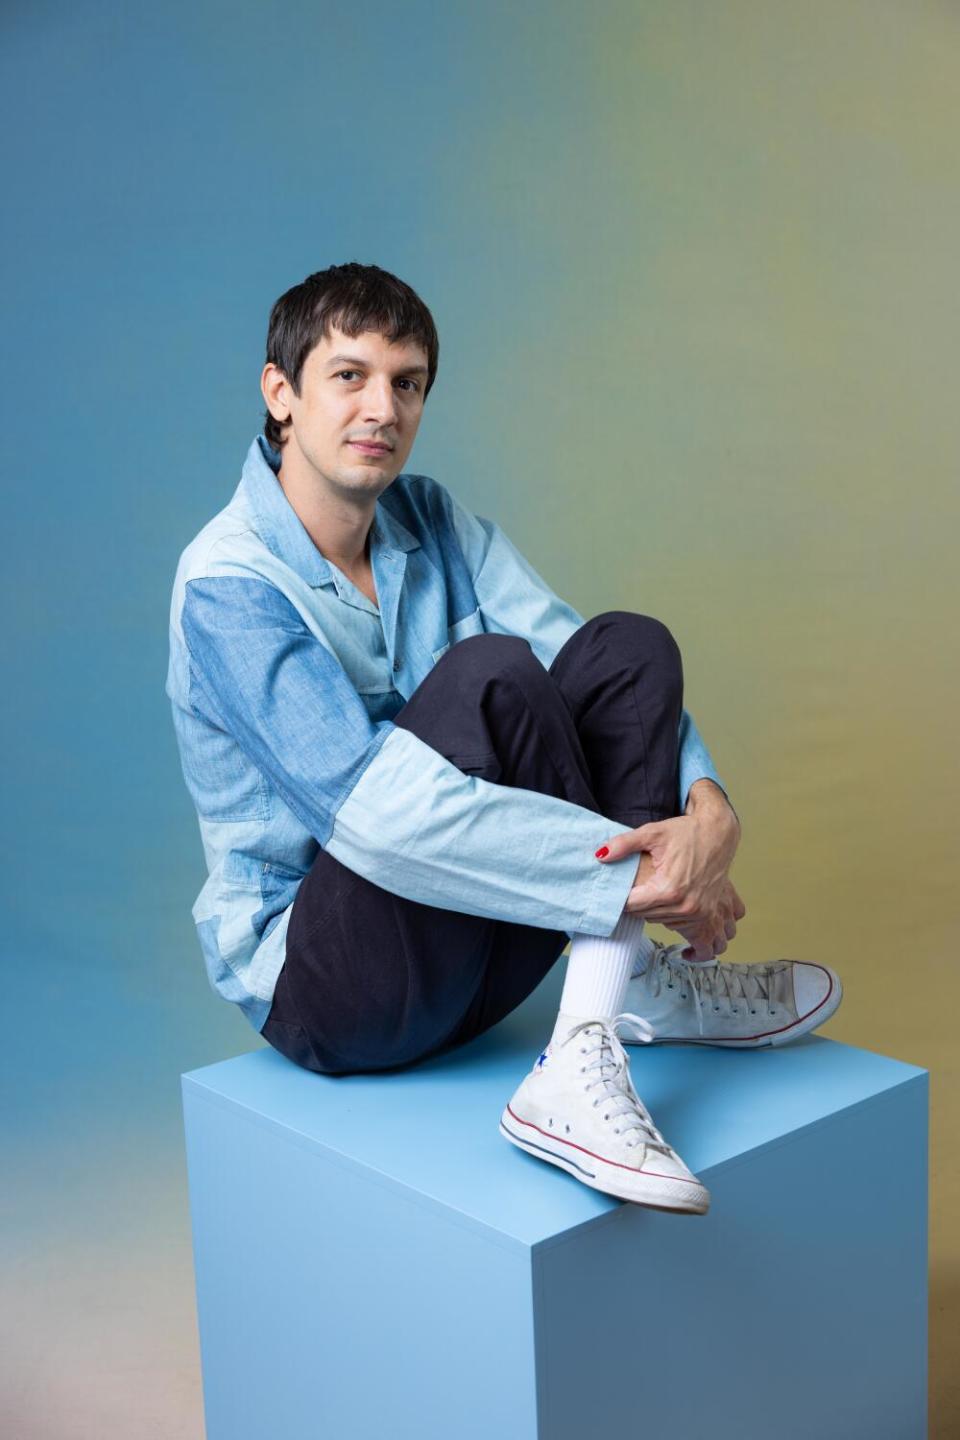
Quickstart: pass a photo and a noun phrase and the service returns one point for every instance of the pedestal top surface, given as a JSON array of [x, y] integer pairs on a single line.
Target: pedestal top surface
[[433, 1129]]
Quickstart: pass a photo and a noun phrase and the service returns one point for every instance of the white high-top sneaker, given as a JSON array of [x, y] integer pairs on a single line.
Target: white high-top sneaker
[[578, 1109], [740, 1006]]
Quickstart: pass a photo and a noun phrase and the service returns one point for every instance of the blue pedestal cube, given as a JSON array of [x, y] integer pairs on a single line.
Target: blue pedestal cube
[[373, 1259]]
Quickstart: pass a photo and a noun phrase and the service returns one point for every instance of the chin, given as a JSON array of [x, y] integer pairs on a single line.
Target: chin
[[366, 477], [387, 466]]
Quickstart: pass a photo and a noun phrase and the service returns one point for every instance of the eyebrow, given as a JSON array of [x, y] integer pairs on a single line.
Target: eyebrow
[[364, 365]]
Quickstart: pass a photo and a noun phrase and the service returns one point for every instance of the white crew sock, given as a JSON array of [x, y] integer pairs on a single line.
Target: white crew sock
[[598, 970]]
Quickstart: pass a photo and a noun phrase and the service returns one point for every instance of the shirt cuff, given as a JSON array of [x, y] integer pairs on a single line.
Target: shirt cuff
[[612, 884]]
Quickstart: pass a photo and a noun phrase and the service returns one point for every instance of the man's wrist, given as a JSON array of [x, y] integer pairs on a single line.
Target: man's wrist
[[706, 800]]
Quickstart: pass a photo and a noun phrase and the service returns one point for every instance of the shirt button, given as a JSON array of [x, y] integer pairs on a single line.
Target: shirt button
[[396, 664]]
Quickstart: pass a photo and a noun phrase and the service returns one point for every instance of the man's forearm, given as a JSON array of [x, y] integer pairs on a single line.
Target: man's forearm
[[420, 827]]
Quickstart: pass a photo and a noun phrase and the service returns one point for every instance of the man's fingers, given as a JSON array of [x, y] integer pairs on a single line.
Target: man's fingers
[[707, 949], [705, 941], [628, 842], [739, 909]]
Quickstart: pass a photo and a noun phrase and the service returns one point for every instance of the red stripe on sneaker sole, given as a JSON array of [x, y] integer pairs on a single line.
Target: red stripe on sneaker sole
[[552, 1135], [760, 1034]]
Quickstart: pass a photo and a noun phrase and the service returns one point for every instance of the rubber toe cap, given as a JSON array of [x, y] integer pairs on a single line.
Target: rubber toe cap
[[813, 986]]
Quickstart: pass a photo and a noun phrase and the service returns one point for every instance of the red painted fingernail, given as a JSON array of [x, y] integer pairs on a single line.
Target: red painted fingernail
[[604, 850]]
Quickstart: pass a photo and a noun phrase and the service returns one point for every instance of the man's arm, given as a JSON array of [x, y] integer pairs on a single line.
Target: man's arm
[[376, 797]]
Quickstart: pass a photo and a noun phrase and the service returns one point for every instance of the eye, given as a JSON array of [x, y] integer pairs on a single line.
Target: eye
[[341, 373], [413, 384]]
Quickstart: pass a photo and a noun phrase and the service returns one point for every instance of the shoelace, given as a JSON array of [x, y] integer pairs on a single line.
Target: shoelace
[[712, 980], [598, 1038]]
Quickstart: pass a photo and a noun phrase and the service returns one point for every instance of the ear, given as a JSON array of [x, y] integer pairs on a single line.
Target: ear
[[275, 388]]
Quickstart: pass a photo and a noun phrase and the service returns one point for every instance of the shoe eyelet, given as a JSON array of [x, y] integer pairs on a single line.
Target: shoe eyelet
[[616, 1130], [567, 1128], [550, 1122], [716, 1007], [753, 1012], [682, 995], [606, 1117], [669, 984]]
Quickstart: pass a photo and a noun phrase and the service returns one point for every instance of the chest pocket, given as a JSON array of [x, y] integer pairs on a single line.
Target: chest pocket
[[471, 624], [373, 681]]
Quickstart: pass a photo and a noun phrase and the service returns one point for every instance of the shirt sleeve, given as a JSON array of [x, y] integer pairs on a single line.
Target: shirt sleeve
[[375, 796], [515, 600]]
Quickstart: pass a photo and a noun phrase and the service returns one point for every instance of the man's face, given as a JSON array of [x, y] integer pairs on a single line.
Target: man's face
[[357, 414]]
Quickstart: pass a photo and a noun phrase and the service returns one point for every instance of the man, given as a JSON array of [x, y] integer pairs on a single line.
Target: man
[[418, 772]]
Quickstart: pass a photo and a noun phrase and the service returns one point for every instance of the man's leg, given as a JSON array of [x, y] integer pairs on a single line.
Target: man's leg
[[618, 663], [373, 980], [622, 678]]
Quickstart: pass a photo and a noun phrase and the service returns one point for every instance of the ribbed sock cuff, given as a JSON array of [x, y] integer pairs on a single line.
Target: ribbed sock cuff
[[598, 970]]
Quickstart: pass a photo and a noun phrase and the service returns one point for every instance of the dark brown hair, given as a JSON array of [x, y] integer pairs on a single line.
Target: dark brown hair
[[354, 298]]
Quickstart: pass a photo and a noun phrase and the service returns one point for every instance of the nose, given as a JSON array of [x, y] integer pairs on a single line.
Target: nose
[[380, 401]]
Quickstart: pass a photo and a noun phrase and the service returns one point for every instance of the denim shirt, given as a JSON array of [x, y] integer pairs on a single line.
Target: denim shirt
[[284, 679]]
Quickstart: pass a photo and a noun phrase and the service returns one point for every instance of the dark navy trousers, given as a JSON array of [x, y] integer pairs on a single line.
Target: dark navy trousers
[[373, 981]]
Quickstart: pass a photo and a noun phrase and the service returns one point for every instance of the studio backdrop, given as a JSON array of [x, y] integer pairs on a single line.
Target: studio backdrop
[[694, 272]]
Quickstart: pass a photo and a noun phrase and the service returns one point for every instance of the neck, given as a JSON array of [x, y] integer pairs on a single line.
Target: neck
[[337, 525]]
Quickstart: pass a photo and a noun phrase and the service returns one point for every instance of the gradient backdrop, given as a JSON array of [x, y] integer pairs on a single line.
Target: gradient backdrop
[[694, 268]]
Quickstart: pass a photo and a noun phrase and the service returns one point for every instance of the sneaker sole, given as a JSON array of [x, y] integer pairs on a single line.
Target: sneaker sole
[[770, 1039], [652, 1191]]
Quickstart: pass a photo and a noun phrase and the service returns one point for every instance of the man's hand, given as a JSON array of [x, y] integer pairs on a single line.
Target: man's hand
[[682, 878], [706, 942]]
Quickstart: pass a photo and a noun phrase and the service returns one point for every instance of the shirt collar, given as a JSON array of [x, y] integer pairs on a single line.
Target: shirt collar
[[280, 528]]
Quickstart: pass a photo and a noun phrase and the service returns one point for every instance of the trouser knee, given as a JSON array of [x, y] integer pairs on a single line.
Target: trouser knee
[[492, 709], [642, 640], [480, 658], [497, 675]]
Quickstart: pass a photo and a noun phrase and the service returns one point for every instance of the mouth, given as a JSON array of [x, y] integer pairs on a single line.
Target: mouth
[[370, 447]]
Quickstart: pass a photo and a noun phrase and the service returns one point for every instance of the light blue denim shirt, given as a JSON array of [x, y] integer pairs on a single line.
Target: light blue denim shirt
[[284, 679]]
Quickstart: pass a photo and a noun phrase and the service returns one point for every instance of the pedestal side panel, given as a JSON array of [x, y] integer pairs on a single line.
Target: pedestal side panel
[[333, 1304]]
